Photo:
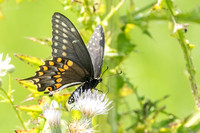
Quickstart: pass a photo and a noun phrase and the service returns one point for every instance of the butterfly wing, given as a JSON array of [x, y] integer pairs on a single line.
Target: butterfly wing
[[67, 43], [71, 63], [57, 74], [96, 50]]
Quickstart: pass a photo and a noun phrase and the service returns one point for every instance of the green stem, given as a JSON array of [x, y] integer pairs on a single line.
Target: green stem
[[13, 106], [87, 7], [188, 59], [11, 102], [190, 68], [113, 11], [143, 9], [169, 7], [10, 85], [56, 129], [138, 98]]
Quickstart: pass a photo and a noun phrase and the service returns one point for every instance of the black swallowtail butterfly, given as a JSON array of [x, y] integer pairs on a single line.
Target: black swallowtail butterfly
[[72, 62]]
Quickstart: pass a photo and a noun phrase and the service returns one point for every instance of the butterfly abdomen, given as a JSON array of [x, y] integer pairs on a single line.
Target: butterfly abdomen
[[88, 85]]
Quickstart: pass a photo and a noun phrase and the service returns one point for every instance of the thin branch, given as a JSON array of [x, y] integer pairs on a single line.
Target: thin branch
[[113, 11], [11, 102], [188, 59]]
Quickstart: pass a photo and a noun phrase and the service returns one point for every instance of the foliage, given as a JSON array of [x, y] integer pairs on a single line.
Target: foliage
[[119, 45]]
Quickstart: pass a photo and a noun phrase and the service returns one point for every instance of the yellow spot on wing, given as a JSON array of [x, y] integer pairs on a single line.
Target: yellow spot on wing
[[49, 88], [57, 76], [59, 80], [64, 54], [36, 80], [58, 85], [39, 85], [41, 73], [45, 68], [65, 67], [64, 47], [59, 59], [61, 70], [69, 63], [51, 63]]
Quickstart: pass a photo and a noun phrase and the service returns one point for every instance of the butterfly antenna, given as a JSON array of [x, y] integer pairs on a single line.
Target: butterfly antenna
[[104, 71], [106, 87]]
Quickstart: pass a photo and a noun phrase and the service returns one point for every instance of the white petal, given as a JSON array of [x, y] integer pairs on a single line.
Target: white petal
[[92, 103]]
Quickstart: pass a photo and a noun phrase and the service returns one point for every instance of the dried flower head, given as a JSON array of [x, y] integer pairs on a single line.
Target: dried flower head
[[91, 103], [82, 126]]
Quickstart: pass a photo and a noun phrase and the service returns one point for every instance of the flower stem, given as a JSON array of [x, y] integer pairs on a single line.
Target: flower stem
[[188, 59], [10, 85], [113, 11], [143, 9], [11, 102], [110, 18], [13, 106], [56, 129]]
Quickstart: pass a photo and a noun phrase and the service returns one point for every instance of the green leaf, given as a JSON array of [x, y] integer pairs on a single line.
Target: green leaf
[[46, 41], [33, 61], [34, 110], [4, 99], [192, 16], [169, 3], [163, 123], [146, 32], [124, 45], [62, 98], [33, 130], [31, 87], [37, 129], [193, 119]]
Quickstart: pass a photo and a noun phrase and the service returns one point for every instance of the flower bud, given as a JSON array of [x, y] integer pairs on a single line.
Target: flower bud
[[10, 68]]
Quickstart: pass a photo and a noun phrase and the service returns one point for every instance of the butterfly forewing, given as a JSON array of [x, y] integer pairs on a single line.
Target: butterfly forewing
[[96, 50], [67, 43]]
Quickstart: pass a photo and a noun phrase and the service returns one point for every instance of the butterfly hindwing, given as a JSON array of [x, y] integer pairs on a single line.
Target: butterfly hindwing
[[67, 43], [58, 72], [96, 50]]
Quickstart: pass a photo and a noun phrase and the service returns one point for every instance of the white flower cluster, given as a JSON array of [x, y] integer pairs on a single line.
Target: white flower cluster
[[82, 126], [52, 114], [5, 66], [90, 103]]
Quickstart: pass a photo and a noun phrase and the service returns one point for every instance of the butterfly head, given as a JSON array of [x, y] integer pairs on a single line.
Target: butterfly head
[[99, 79]]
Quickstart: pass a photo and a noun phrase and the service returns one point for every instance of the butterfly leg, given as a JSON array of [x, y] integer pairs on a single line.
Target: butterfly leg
[[98, 90]]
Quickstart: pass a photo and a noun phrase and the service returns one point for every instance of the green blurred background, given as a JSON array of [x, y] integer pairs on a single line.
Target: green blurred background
[[156, 66]]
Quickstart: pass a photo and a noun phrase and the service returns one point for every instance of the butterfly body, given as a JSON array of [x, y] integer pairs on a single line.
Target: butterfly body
[[73, 63]]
